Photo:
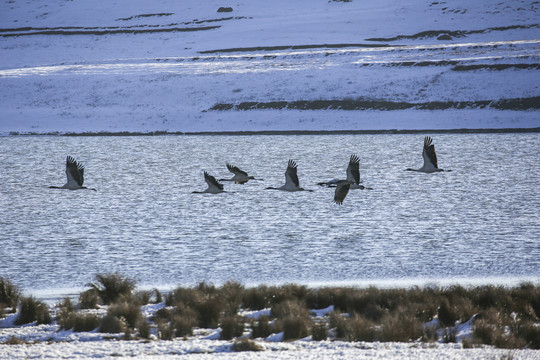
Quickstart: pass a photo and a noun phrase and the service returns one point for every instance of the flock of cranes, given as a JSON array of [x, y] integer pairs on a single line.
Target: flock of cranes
[[75, 176]]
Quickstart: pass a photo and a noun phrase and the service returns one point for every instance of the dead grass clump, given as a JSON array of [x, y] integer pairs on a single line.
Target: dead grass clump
[[14, 340], [144, 330], [509, 341], [289, 308], [208, 310], [163, 314], [530, 333], [129, 312], [261, 328], [232, 327], [9, 295], [256, 298], [373, 312], [69, 320], [359, 328], [113, 287], [231, 293], [295, 327], [204, 299], [372, 303], [187, 315], [290, 292], [183, 325], [181, 319], [66, 304], [526, 300], [504, 331], [319, 331], [321, 298], [85, 322], [484, 332], [112, 324], [165, 330], [449, 335], [246, 345], [89, 299], [401, 326], [31, 310], [486, 297], [142, 297], [447, 313], [339, 323]]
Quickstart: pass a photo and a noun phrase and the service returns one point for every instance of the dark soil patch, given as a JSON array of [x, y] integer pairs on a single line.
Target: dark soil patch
[[497, 67], [532, 103], [106, 30], [291, 47], [144, 16], [110, 32], [448, 34]]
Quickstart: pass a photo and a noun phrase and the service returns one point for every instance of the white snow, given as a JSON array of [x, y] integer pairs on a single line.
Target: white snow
[[168, 81], [48, 342]]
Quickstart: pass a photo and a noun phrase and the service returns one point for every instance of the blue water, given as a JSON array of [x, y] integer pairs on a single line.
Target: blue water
[[479, 222]]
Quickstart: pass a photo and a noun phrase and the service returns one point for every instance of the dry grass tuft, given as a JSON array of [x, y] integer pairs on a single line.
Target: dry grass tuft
[[9, 295], [319, 332], [32, 310], [232, 327], [261, 328], [112, 324], [246, 345], [113, 287], [89, 299], [129, 312], [295, 327]]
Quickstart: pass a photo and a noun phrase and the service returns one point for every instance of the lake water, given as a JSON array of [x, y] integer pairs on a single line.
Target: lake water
[[479, 222]]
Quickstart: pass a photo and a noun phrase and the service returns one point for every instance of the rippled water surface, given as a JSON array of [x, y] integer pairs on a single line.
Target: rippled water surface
[[480, 221]]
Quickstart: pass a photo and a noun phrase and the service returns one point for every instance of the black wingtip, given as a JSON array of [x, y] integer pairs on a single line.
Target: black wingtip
[[292, 164], [354, 159]]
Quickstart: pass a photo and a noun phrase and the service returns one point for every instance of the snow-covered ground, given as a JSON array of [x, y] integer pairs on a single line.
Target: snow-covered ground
[[140, 66], [182, 66], [47, 341]]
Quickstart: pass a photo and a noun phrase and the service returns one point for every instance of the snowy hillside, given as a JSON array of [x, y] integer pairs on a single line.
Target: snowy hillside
[[185, 66]]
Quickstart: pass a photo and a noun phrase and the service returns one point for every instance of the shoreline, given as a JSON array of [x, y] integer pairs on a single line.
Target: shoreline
[[266, 319], [285, 132], [53, 295]]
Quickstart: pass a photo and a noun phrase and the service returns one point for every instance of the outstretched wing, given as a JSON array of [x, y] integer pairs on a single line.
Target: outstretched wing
[[291, 176], [74, 171], [353, 170], [430, 158], [341, 191], [235, 170], [212, 182]]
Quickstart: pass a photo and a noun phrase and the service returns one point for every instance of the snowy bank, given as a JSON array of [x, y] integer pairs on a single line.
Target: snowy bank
[[185, 67]]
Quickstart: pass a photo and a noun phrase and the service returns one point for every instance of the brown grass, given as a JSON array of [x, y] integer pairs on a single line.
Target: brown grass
[[32, 310], [261, 328], [506, 317], [129, 312], [232, 327], [9, 295], [246, 345], [113, 287], [112, 324], [295, 327]]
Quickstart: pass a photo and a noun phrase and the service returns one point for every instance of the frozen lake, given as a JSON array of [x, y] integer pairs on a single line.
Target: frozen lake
[[479, 222]]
